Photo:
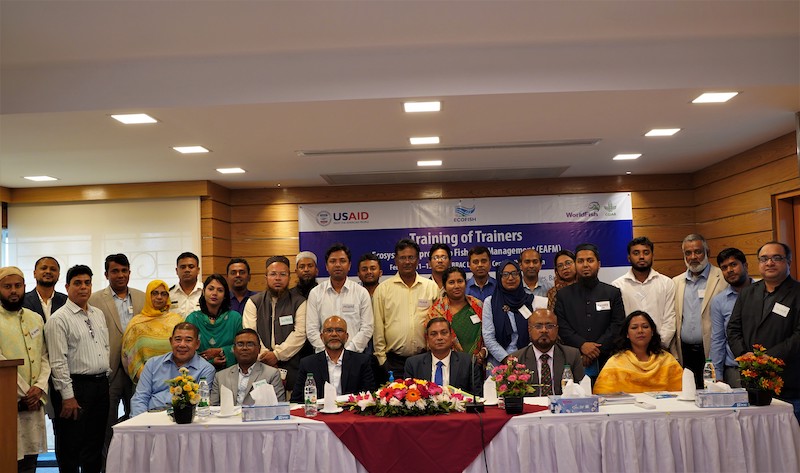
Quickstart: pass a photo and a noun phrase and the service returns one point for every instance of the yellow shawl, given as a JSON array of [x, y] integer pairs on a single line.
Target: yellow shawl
[[624, 372]]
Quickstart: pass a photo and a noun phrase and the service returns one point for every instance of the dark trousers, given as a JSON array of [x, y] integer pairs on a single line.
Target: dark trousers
[[120, 389], [694, 358], [27, 464], [79, 443], [396, 364]]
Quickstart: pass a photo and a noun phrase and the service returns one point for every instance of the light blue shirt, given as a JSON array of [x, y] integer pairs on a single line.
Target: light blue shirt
[[721, 309], [124, 309], [481, 293], [540, 290], [153, 393], [496, 351], [691, 324]]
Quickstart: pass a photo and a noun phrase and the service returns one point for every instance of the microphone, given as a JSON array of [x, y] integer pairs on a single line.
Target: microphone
[[473, 406]]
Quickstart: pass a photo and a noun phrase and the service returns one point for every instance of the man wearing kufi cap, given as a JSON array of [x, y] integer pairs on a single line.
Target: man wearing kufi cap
[[306, 266]]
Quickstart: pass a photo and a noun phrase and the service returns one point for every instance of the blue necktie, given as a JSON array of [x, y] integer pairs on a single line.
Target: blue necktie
[[438, 378]]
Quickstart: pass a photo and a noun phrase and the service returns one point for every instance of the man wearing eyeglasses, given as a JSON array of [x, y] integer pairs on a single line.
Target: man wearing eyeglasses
[[545, 356], [248, 372], [77, 340], [768, 313]]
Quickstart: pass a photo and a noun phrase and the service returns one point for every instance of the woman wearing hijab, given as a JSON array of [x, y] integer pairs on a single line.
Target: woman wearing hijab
[[566, 275], [462, 311], [147, 334], [505, 312], [217, 323]]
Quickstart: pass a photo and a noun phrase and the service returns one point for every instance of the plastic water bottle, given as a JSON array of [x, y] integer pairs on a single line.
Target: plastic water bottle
[[203, 409], [310, 396], [709, 376], [391, 377], [567, 376]]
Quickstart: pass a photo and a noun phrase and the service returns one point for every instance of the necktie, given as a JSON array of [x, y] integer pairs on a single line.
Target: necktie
[[546, 379], [438, 378]]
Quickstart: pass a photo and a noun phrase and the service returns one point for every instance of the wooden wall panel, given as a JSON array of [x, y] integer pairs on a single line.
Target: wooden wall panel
[[762, 154], [784, 169], [664, 233], [264, 230], [656, 199], [264, 213], [216, 210], [659, 216], [156, 190]]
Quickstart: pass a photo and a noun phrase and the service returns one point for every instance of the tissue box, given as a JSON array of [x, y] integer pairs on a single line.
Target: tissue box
[[279, 411], [559, 404], [737, 397]]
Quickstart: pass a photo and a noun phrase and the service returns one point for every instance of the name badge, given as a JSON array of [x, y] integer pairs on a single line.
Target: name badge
[[283, 373], [285, 320], [701, 293], [780, 309], [524, 311], [423, 303], [260, 382], [349, 308], [475, 319], [36, 332], [539, 302], [602, 305], [130, 310]]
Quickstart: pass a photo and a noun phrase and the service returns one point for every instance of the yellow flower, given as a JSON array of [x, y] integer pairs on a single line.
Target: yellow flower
[[187, 387]]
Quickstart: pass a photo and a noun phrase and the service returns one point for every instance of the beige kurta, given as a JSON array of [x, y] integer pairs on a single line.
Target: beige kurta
[[22, 337]]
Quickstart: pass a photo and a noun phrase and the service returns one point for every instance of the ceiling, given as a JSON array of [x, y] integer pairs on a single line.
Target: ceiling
[[258, 81]]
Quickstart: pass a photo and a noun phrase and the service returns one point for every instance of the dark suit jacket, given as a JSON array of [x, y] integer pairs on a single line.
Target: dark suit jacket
[[356, 374], [462, 376], [778, 334], [562, 355], [32, 302]]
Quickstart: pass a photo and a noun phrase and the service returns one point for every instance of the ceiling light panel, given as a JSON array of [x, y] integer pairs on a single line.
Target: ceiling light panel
[[662, 132], [230, 170], [624, 157], [190, 149], [424, 140], [40, 178], [416, 107], [715, 97], [434, 162], [134, 118]]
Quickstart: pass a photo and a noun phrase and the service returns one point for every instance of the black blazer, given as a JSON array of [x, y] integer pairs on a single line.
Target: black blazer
[[778, 334], [32, 302], [462, 376], [356, 374]]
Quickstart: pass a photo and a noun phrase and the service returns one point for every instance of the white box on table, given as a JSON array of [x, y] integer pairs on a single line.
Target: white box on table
[[737, 397], [559, 404], [279, 411]]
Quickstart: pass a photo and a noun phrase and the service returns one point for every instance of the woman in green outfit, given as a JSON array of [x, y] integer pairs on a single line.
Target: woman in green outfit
[[217, 323], [464, 313]]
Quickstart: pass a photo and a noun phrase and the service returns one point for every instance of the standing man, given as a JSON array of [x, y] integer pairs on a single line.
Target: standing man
[[22, 337], [119, 304], [643, 288], [185, 296], [480, 285], [530, 263], [590, 312], [768, 313], [307, 271], [339, 296], [369, 272], [247, 373], [733, 264], [400, 306], [44, 299], [694, 290], [238, 276], [77, 341], [439, 260]]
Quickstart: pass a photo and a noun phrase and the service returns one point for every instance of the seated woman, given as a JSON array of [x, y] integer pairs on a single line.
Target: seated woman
[[505, 327], [147, 334], [217, 323], [462, 311], [639, 364]]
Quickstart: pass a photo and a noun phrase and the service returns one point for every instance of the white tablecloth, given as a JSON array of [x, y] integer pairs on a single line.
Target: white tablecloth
[[677, 436]]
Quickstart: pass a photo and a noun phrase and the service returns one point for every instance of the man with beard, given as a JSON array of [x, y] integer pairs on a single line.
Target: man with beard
[[347, 371], [643, 288], [22, 337], [694, 290], [530, 263], [44, 299], [279, 317], [546, 357], [247, 372], [340, 296], [590, 313], [369, 272], [185, 296], [733, 264], [307, 271], [238, 276], [439, 261]]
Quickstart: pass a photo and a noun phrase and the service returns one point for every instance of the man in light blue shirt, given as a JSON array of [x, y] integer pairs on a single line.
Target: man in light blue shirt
[[152, 392], [530, 263], [480, 285], [733, 264]]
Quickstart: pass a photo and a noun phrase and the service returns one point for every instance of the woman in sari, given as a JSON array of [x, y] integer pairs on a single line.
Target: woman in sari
[[217, 323], [640, 363], [505, 325], [148, 333], [566, 274], [462, 311]]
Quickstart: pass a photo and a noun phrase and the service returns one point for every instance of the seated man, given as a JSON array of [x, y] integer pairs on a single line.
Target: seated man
[[441, 364], [349, 372], [152, 392], [545, 357], [248, 372]]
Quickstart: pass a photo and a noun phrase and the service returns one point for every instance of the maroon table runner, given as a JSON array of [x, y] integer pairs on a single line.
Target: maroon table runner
[[439, 443]]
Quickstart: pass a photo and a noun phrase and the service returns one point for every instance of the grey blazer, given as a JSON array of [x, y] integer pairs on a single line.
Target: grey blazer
[[229, 377], [562, 355]]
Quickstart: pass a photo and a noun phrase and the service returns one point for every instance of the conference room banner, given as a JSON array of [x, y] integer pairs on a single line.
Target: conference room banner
[[505, 225]]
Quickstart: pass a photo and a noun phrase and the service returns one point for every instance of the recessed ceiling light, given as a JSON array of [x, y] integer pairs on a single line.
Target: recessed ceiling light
[[134, 118], [627, 172], [434, 162], [190, 149], [621, 157], [662, 132], [413, 107], [424, 140], [715, 97], [40, 178], [230, 170]]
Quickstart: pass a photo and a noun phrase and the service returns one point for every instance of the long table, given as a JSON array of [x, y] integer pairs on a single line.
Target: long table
[[676, 436]]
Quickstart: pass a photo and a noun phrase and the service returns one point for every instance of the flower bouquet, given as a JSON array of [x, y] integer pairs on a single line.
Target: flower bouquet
[[184, 396], [512, 384], [760, 371], [407, 397]]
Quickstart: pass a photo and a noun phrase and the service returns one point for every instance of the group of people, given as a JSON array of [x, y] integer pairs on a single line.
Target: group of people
[[86, 352]]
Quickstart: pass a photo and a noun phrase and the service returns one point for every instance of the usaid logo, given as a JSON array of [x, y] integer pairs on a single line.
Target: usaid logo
[[324, 218]]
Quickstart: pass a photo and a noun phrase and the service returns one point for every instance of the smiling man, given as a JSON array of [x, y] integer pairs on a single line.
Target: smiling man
[[44, 299], [248, 373], [369, 272], [152, 392], [185, 296], [480, 285], [530, 263]]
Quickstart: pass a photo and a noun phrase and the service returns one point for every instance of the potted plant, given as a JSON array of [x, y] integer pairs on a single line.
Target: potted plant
[[760, 375], [184, 396], [512, 379]]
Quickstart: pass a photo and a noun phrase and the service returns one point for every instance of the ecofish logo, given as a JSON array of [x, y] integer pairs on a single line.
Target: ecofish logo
[[463, 213]]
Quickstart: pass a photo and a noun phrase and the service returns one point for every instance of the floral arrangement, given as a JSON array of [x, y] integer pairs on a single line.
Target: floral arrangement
[[760, 371], [512, 378], [183, 389], [407, 397]]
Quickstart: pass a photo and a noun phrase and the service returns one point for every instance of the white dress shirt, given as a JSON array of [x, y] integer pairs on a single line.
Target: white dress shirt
[[656, 296], [182, 303], [445, 368], [352, 303], [335, 372]]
